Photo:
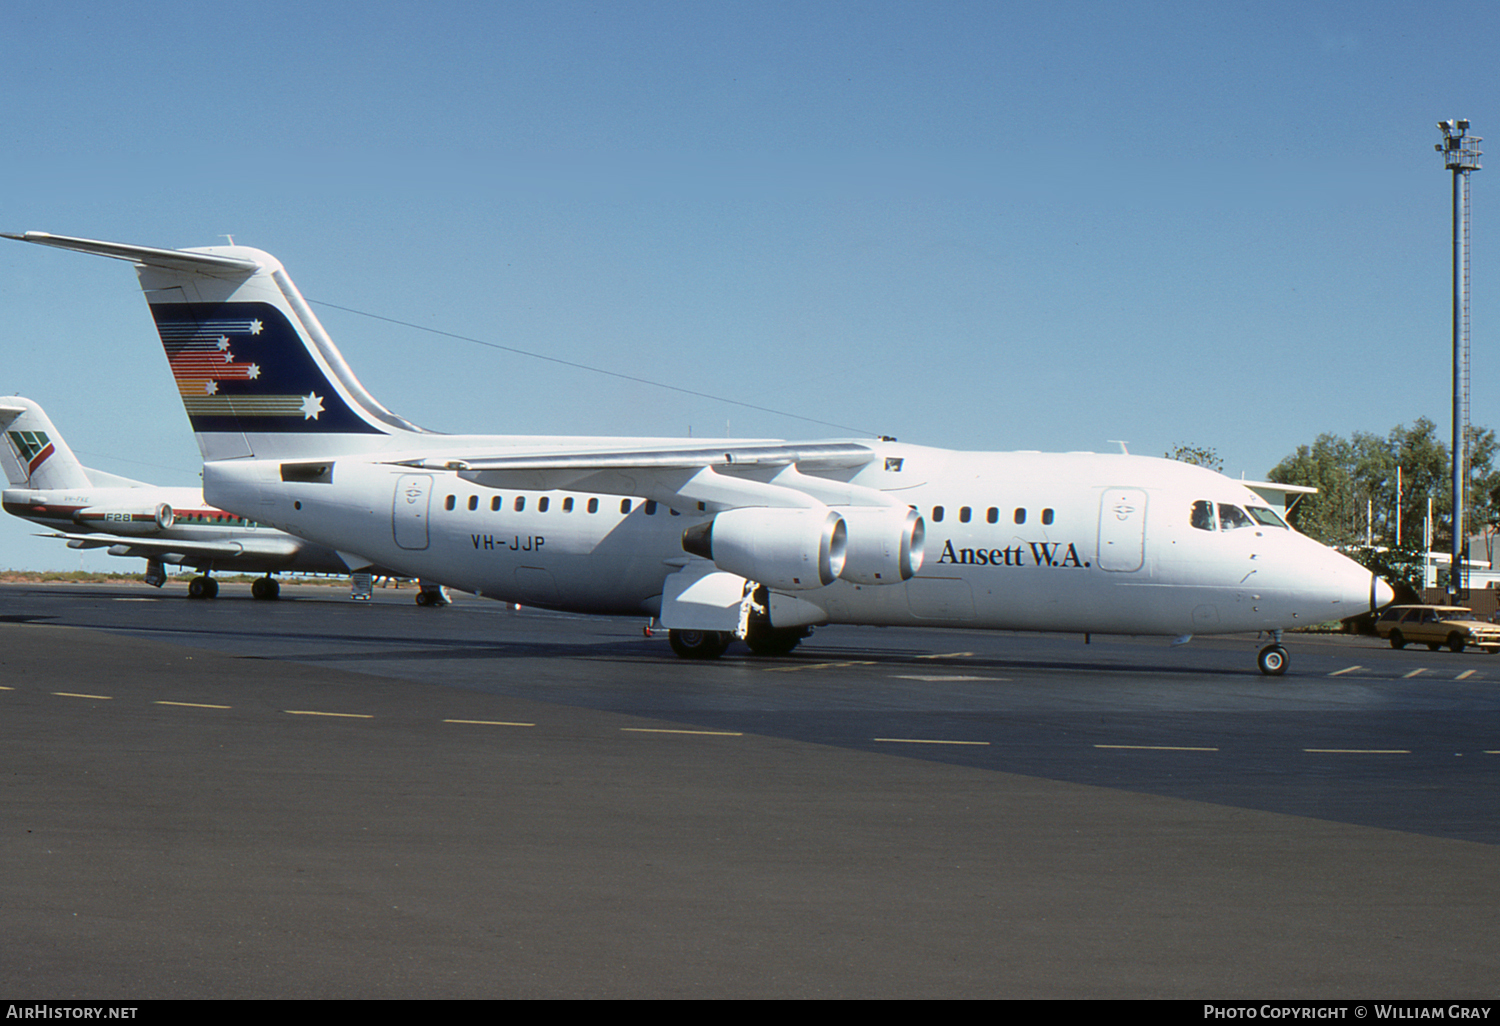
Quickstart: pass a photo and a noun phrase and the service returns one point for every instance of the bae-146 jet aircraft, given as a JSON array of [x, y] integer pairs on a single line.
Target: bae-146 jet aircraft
[[92, 509], [718, 539]]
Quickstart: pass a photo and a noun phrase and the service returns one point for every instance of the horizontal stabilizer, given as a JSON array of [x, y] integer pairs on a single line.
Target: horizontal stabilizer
[[150, 256]]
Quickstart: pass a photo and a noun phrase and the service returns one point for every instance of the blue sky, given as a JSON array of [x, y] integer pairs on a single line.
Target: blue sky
[[973, 225]]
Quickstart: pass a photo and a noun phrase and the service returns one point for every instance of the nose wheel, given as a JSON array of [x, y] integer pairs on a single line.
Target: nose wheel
[[1272, 660]]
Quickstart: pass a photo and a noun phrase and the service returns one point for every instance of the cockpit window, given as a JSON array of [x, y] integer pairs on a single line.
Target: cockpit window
[[1203, 515], [1232, 518], [1267, 517]]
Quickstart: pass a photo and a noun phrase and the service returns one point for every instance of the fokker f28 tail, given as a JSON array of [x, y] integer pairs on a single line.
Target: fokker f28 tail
[[256, 371], [36, 456]]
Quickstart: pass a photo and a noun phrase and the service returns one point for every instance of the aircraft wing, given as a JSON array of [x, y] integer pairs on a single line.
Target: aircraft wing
[[778, 474], [271, 547]]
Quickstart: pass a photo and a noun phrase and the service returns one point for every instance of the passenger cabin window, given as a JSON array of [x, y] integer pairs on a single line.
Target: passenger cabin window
[[473, 502], [650, 507], [964, 512], [1047, 516], [593, 505], [624, 505], [937, 514], [992, 515], [520, 503], [568, 504], [1020, 516], [495, 504], [450, 502], [542, 504]]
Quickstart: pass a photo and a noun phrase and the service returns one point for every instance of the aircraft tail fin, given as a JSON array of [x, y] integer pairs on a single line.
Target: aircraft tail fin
[[257, 374], [34, 454]]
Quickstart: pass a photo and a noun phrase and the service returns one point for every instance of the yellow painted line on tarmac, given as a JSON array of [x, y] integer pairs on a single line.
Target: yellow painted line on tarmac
[[1347, 669], [492, 723], [664, 730], [948, 655], [1160, 748], [195, 705], [1418, 670], [74, 694], [313, 712], [924, 741], [1466, 675], [818, 666], [1358, 751]]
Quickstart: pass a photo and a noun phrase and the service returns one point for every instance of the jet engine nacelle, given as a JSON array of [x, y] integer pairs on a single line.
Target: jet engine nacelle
[[790, 549], [127, 520], [885, 544]]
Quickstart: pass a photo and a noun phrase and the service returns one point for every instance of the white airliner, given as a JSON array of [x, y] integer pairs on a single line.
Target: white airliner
[[717, 539], [92, 509]]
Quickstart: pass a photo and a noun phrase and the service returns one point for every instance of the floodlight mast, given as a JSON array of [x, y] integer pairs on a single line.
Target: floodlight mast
[[1460, 156]]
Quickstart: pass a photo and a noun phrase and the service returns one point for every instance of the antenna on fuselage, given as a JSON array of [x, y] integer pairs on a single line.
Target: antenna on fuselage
[[1123, 451]]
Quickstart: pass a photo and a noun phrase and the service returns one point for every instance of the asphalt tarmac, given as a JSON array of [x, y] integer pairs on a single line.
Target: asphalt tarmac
[[322, 798]]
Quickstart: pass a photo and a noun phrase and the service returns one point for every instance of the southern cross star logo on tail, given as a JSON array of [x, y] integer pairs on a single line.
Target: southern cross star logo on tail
[[243, 367]]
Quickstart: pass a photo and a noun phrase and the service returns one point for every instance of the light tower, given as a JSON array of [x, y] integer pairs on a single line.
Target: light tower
[[1459, 156]]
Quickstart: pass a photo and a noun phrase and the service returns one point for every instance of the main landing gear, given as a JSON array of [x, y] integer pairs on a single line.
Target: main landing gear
[[762, 640], [432, 594], [755, 627], [699, 644], [203, 587]]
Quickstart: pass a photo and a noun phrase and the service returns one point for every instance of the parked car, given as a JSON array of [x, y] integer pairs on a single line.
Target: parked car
[[1436, 626]]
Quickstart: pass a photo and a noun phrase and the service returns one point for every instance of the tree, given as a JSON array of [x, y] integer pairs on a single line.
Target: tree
[[1200, 456], [1356, 482]]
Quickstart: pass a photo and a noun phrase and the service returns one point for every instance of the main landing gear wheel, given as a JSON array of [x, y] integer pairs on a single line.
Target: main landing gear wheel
[[774, 641], [202, 587], [1272, 660], [265, 588], [699, 644]]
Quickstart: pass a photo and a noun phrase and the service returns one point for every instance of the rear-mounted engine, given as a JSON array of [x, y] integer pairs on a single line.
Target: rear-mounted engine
[[137, 520]]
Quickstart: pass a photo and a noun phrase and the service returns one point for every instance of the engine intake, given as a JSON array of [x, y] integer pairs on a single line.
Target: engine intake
[[792, 549]]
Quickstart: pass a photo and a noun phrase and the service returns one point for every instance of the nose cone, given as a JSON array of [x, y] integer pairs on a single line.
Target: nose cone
[[1332, 586], [1381, 594]]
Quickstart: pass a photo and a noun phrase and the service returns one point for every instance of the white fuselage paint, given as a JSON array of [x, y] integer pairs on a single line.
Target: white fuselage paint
[[1119, 556]]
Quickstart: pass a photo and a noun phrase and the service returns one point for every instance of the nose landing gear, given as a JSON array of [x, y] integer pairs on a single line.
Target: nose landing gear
[[1273, 658]]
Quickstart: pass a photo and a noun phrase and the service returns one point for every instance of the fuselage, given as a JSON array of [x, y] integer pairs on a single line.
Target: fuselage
[[1040, 541], [145, 521]]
